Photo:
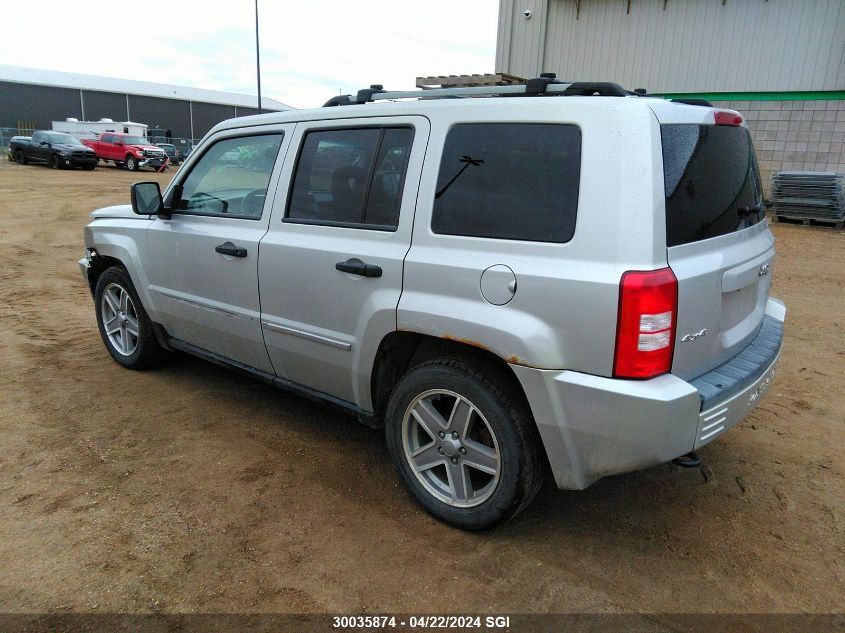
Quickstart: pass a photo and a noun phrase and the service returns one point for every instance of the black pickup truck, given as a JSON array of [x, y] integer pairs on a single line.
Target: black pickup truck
[[57, 149]]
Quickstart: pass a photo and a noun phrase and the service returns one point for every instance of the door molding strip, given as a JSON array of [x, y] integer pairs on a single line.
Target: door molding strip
[[308, 336]]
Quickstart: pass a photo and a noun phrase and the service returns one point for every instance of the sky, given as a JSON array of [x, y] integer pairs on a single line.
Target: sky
[[310, 51]]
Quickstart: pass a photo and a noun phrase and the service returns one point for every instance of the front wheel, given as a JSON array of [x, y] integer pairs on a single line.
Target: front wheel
[[55, 162], [124, 325], [464, 443], [131, 163]]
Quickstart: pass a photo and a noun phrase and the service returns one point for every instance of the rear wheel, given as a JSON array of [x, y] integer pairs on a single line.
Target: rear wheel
[[464, 443], [131, 163], [124, 325], [20, 159]]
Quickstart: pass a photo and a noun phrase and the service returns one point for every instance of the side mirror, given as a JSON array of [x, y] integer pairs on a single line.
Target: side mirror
[[146, 198]]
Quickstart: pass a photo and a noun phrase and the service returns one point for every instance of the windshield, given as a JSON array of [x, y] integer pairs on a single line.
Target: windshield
[[63, 139], [135, 140]]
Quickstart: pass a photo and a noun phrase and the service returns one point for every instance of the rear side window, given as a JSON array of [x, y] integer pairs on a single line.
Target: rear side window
[[351, 177], [509, 181], [712, 182]]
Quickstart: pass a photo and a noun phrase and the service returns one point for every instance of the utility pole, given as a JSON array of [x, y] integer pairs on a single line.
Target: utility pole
[[257, 57]]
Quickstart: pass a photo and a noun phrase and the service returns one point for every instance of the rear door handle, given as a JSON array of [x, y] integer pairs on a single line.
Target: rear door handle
[[227, 248], [355, 266]]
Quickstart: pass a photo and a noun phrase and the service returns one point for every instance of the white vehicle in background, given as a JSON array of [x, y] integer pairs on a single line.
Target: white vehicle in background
[[93, 129]]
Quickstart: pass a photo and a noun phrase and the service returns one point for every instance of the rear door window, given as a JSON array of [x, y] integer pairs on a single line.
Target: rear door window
[[712, 182], [509, 181], [351, 177]]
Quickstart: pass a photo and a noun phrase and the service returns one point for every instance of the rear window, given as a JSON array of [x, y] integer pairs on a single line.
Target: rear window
[[712, 182], [509, 181]]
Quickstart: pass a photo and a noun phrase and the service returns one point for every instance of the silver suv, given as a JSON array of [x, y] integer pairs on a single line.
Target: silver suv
[[563, 277]]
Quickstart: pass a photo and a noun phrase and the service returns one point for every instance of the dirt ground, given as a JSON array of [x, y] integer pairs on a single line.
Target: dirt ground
[[190, 488]]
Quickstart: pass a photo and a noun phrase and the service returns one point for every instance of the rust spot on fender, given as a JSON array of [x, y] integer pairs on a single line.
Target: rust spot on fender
[[467, 341], [513, 360]]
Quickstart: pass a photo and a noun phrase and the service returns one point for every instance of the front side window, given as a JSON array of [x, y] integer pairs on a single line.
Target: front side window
[[231, 178], [351, 177], [515, 181]]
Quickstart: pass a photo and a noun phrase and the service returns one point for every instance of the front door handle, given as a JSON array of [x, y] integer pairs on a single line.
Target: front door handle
[[355, 266], [227, 248]]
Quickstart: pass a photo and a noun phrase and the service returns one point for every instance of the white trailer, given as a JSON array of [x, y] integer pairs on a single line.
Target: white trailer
[[93, 129]]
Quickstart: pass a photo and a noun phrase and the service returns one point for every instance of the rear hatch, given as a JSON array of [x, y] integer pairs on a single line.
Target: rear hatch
[[718, 242]]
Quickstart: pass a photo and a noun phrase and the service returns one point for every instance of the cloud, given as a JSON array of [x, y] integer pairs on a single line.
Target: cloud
[[309, 52]]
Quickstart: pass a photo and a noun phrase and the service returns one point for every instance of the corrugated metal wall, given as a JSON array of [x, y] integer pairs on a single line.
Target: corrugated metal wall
[[690, 46], [168, 114], [99, 105], [37, 105], [207, 115]]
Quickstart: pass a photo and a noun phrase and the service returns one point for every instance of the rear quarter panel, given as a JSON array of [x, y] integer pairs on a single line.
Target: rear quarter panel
[[563, 314]]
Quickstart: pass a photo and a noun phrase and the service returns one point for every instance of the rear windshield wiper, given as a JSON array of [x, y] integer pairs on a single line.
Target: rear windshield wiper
[[744, 212], [467, 160]]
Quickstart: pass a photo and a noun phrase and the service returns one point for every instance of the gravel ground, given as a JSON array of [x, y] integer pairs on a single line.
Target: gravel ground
[[192, 489]]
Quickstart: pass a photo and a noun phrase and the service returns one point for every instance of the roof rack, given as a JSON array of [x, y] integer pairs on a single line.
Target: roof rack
[[545, 84]]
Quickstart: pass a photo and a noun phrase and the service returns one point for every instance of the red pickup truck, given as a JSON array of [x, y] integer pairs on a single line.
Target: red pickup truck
[[128, 150]]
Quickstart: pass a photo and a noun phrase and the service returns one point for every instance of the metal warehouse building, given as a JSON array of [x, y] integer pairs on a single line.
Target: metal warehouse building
[[780, 62], [32, 98]]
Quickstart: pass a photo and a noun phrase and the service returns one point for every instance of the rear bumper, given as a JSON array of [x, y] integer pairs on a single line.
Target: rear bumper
[[592, 426]]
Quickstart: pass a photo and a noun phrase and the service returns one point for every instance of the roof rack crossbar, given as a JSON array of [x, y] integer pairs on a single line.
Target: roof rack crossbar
[[546, 84], [433, 93]]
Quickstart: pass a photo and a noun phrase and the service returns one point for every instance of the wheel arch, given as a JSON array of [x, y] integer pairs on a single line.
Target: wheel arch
[[99, 265], [401, 350], [115, 245]]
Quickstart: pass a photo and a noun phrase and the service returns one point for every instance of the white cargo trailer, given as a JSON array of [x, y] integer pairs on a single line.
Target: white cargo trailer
[[92, 129]]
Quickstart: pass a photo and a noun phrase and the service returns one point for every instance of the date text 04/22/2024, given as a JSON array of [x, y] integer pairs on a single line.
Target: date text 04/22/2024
[[421, 621]]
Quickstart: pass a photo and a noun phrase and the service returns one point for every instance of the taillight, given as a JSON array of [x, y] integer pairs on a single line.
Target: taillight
[[726, 117], [645, 334]]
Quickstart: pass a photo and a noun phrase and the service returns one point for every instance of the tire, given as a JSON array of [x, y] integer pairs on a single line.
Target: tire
[[133, 343], [89, 167], [20, 159], [131, 163], [55, 162], [497, 455]]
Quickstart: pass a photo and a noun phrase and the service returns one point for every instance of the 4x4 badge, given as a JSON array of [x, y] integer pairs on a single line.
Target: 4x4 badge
[[691, 337]]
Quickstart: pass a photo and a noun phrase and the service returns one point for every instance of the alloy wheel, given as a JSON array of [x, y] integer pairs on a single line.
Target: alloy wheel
[[451, 448], [120, 319]]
